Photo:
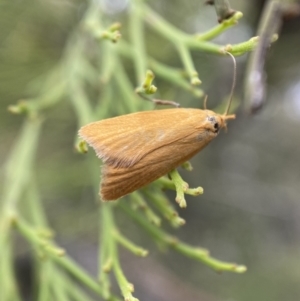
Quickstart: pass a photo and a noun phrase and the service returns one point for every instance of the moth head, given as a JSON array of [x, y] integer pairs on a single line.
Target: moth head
[[215, 122]]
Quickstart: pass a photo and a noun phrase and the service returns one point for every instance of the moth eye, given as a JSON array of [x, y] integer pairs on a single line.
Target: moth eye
[[216, 126]]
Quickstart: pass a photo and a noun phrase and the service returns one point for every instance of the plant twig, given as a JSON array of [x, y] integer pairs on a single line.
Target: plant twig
[[255, 76], [196, 253]]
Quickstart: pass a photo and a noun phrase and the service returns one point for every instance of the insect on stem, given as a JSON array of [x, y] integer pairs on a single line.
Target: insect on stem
[[139, 148]]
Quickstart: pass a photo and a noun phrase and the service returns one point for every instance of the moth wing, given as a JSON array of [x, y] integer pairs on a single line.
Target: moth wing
[[123, 141], [119, 181]]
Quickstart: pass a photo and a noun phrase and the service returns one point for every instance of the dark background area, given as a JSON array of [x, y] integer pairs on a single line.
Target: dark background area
[[250, 211]]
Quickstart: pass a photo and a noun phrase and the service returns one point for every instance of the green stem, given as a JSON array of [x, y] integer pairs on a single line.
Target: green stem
[[105, 103], [107, 62], [203, 46], [50, 97], [59, 290], [136, 26], [76, 81], [17, 176], [162, 27], [56, 255], [20, 163], [126, 243], [80, 102], [154, 231], [170, 74], [203, 256], [77, 292], [130, 100], [34, 201], [183, 188], [105, 256], [188, 64], [163, 205], [84, 278], [196, 253], [125, 286], [174, 35], [8, 285], [220, 28], [174, 76], [139, 203]]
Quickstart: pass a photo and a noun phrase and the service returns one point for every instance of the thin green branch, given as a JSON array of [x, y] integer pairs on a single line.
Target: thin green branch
[[8, 285], [138, 202], [193, 44], [130, 99], [18, 173], [203, 256], [174, 76], [163, 205], [125, 286], [107, 63], [188, 64], [48, 96], [220, 28], [59, 291], [36, 211], [196, 253], [105, 252], [175, 35], [151, 229], [58, 256], [105, 103], [76, 91], [126, 243], [182, 40], [45, 100], [161, 26], [92, 22], [83, 277], [75, 291], [136, 26], [242, 48], [46, 269], [183, 188], [20, 163], [43, 289]]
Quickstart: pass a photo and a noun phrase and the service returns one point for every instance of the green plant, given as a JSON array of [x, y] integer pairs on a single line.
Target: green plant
[[80, 71]]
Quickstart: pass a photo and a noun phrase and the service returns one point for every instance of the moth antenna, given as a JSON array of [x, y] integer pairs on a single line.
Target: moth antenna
[[205, 102], [233, 83]]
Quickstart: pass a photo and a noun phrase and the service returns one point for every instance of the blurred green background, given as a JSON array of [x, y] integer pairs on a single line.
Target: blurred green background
[[250, 211]]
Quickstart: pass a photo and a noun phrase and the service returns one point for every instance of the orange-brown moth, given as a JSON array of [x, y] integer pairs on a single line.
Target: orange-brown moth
[[139, 148]]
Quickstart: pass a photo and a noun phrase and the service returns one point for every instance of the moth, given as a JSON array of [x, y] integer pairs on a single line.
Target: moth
[[139, 148]]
